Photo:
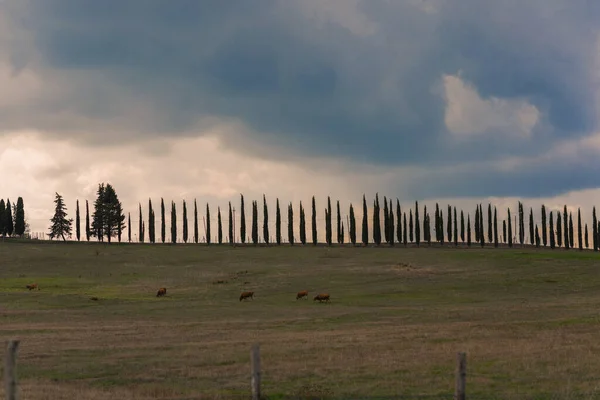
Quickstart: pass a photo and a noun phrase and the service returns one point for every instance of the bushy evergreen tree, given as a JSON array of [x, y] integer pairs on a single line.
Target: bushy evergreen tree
[[61, 225], [108, 218]]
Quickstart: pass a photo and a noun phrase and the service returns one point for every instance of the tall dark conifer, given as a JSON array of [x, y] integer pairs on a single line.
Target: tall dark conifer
[[566, 227], [437, 222], [559, 236], [544, 227], [151, 223], [537, 236], [242, 220], [579, 231], [173, 223], [587, 243], [391, 224], [291, 224], [441, 222], [140, 221], [489, 224], [476, 223], [449, 228], [328, 226], [462, 226], [551, 231], [481, 235], [231, 238], [455, 228], [162, 220], [411, 227], [504, 231], [339, 223], [88, 233], [196, 232], [278, 222], [352, 226], [314, 222], [495, 227], [531, 231], [376, 221], [398, 221], [207, 227], [303, 226], [571, 231], [185, 223], [469, 230], [129, 227], [265, 220], [77, 222], [417, 224], [386, 221], [219, 226], [254, 222], [510, 235], [365, 224], [405, 233], [594, 229]]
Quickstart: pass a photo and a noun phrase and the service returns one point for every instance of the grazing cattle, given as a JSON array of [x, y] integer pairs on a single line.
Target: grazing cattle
[[247, 295], [302, 294], [33, 286], [161, 292], [321, 297]]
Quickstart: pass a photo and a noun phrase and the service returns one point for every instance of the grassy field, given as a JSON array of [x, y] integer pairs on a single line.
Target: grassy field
[[528, 320]]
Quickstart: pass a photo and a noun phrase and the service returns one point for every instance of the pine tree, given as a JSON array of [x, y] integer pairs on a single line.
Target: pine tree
[[339, 223], [449, 228], [495, 227], [417, 225], [88, 232], [544, 231], [455, 228], [411, 227], [391, 224], [8, 221], [242, 220], [231, 238], [278, 223], [405, 233], [352, 226], [129, 227], [571, 231], [314, 222], [462, 226], [566, 227], [140, 230], [108, 218], [328, 226], [303, 225], [398, 221], [510, 235], [376, 221], [61, 226], [219, 226], [552, 240], [537, 236], [490, 235], [291, 224], [587, 243], [579, 233], [196, 233], [365, 226], [185, 223], [594, 229], [254, 222], [469, 230], [77, 222], [265, 220], [207, 227], [173, 223], [504, 231], [163, 228], [531, 232], [559, 236]]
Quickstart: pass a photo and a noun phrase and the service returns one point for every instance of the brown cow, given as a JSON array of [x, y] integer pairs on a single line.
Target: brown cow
[[302, 294], [161, 292], [246, 295], [322, 297], [33, 286]]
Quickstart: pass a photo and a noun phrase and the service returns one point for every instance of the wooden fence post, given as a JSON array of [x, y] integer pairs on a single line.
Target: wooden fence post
[[461, 375], [10, 381], [255, 380]]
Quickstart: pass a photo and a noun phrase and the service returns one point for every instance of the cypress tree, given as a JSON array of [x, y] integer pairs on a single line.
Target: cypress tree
[[566, 227], [469, 230], [254, 222], [594, 229], [88, 233], [291, 224], [495, 227], [398, 221], [579, 232], [417, 224], [490, 235], [303, 225], [436, 222], [405, 234], [376, 221], [278, 223], [196, 238], [503, 231], [481, 234], [411, 227], [521, 224], [140, 232], [510, 235], [77, 223], [391, 225], [339, 223], [544, 231], [365, 226], [455, 228], [559, 235], [185, 223], [207, 228], [441, 227], [571, 231], [151, 225], [531, 232], [265, 220], [386, 220], [449, 231], [314, 221], [162, 220], [428, 224], [2, 217], [129, 227], [342, 232], [328, 226], [587, 243], [352, 226], [173, 223], [143, 228], [8, 222], [537, 236], [231, 238], [477, 223], [242, 220], [219, 226], [425, 224], [462, 226], [552, 240]]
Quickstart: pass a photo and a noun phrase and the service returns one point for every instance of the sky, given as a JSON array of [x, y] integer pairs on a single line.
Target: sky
[[452, 101]]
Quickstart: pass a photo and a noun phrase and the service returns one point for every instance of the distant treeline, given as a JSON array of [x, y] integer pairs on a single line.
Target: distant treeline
[[395, 226], [12, 218]]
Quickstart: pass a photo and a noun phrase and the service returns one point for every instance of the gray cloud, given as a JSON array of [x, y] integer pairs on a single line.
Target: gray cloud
[[150, 67]]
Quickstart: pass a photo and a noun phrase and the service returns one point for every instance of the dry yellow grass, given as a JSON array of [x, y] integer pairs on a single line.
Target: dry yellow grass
[[528, 321]]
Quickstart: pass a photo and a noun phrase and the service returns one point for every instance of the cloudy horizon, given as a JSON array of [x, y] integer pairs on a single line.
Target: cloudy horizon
[[456, 102]]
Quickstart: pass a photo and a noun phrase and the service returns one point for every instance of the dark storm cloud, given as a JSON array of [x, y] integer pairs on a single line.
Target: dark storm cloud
[[323, 89]]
